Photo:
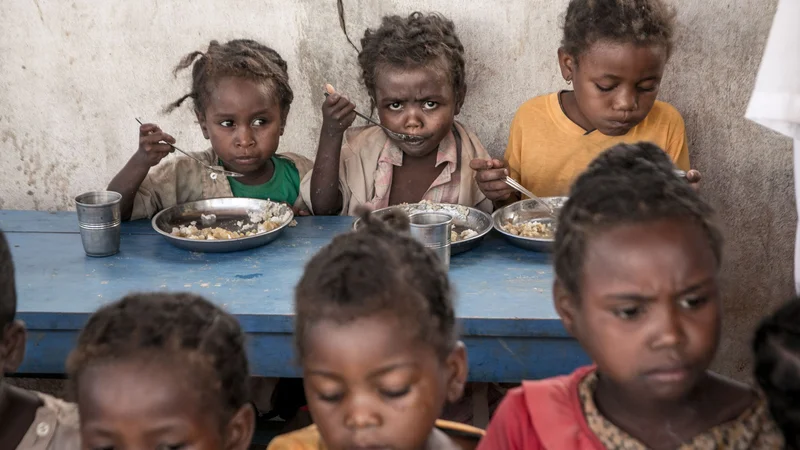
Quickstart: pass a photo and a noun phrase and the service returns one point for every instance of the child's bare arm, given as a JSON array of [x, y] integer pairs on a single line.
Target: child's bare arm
[[337, 116], [150, 152]]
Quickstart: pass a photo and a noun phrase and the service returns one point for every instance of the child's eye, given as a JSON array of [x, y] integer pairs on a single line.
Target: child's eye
[[693, 302], [259, 122], [330, 398], [170, 446], [647, 88], [395, 106], [396, 393], [226, 123], [603, 88], [628, 313], [430, 105]]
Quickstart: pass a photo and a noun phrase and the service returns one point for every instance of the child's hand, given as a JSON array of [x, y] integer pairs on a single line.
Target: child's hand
[[151, 148], [337, 112], [693, 177], [297, 211], [491, 175]]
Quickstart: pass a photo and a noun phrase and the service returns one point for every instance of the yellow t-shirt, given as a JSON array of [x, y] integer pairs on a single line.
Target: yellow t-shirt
[[309, 438], [547, 151]]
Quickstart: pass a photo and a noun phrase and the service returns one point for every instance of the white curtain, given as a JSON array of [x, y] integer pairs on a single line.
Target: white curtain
[[775, 102]]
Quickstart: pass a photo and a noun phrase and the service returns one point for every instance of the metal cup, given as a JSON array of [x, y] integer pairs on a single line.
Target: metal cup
[[432, 229], [99, 222]]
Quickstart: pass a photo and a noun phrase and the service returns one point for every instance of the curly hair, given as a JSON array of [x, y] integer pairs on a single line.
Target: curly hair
[[8, 291], [416, 40], [625, 184], [777, 368], [378, 269], [243, 58], [642, 22], [185, 327]]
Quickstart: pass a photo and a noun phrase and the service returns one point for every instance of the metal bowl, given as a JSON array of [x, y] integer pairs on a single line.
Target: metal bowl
[[463, 217], [228, 212], [527, 211]]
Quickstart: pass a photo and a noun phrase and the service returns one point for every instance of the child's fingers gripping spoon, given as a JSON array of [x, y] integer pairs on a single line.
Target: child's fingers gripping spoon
[[212, 169], [329, 90]]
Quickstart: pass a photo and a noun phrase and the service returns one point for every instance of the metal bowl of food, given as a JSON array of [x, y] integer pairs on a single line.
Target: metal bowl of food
[[470, 225], [223, 224], [527, 224]]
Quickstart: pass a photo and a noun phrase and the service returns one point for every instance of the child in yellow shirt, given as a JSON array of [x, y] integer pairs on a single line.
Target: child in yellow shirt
[[613, 53], [376, 337]]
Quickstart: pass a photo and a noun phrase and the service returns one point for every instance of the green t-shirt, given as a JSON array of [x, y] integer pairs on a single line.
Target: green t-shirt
[[283, 187]]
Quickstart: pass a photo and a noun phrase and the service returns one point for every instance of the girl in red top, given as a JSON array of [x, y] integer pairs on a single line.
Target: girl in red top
[[637, 258]]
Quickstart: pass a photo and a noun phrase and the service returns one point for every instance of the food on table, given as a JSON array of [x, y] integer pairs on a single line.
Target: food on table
[[530, 229], [455, 236], [260, 221], [460, 210]]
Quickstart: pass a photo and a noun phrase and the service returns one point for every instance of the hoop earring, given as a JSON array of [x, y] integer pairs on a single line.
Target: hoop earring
[[569, 82]]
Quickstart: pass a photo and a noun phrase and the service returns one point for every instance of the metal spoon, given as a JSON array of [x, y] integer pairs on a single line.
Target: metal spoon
[[411, 139], [520, 188], [227, 173]]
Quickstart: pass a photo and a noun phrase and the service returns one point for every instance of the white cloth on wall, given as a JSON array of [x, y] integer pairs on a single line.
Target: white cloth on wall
[[775, 102]]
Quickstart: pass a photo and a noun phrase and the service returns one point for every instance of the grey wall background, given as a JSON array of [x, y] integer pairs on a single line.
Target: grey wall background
[[74, 74]]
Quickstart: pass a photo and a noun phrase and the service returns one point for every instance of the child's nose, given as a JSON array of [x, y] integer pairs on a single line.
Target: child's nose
[[626, 100], [670, 332], [361, 414], [245, 137], [413, 119]]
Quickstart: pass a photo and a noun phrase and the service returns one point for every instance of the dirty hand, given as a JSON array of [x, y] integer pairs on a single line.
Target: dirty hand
[[298, 211], [491, 175], [152, 147], [693, 177], [338, 113]]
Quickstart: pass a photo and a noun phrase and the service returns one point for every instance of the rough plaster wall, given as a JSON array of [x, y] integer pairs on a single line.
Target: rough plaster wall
[[75, 74]]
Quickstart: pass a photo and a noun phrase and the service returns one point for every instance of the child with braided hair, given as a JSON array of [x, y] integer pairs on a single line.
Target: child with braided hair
[[376, 337], [241, 95], [636, 255], [162, 371]]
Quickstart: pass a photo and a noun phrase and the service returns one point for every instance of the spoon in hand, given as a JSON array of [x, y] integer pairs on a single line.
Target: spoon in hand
[[213, 169], [411, 139], [520, 188]]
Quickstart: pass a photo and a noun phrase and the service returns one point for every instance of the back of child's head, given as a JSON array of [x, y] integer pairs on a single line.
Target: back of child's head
[[377, 270], [242, 58], [413, 41], [182, 330], [777, 368], [641, 22], [8, 291], [626, 184]]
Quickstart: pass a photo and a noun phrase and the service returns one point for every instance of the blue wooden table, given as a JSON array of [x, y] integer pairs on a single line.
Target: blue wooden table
[[505, 308]]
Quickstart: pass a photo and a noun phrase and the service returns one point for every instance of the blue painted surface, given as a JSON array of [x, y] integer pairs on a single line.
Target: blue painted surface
[[504, 293]]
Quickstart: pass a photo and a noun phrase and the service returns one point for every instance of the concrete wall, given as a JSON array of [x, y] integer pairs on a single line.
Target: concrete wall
[[75, 74]]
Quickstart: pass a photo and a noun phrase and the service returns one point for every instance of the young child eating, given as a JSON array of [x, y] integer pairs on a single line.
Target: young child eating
[[28, 420], [414, 71], [241, 97], [637, 256], [614, 53], [376, 337], [162, 371]]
